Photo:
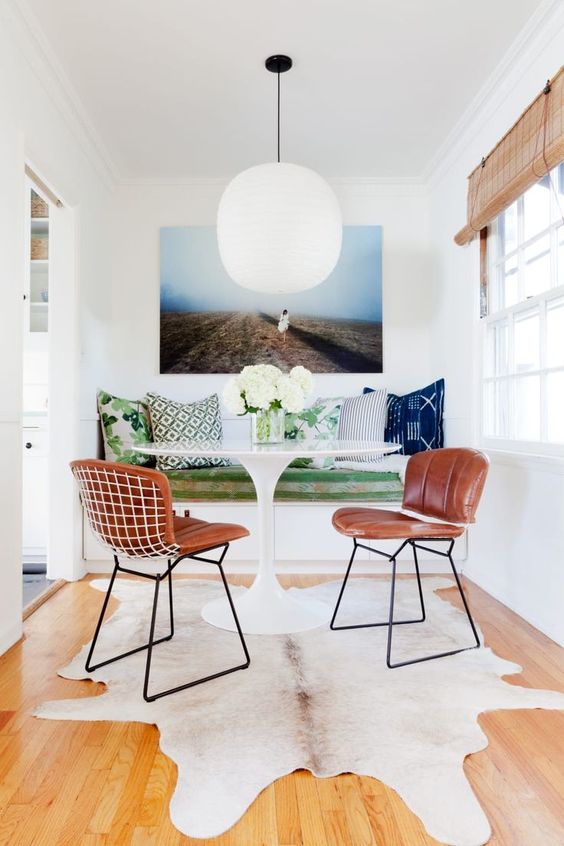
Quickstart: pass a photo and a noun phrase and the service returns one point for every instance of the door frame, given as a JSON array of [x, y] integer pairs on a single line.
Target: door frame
[[64, 546]]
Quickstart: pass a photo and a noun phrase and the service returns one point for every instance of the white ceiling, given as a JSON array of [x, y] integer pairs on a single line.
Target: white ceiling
[[177, 88]]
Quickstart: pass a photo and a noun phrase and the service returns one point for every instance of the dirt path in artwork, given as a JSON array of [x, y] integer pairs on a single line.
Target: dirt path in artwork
[[224, 342]]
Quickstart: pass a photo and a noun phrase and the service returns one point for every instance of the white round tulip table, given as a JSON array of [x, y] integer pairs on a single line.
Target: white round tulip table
[[266, 608]]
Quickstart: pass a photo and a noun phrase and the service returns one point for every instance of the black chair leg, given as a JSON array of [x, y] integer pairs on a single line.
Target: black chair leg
[[419, 585], [91, 667], [151, 638], [464, 601], [341, 592], [236, 618], [151, 697], [391, 621], [170, 602], [88, 666], [386, 622]]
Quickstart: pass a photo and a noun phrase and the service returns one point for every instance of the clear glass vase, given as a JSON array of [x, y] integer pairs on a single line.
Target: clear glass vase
[[267, 427]]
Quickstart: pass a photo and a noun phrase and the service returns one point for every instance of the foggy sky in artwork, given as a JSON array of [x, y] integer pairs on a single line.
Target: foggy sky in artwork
[[194, 279]]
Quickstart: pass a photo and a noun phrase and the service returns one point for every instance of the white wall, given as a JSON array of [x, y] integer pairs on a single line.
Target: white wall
[[11, 245], [430, 301], [142, 208], [517, 546], [38, 125]]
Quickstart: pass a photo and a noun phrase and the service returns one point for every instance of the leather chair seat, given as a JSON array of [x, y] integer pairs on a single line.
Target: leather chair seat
[[192, 534], [380, 524]]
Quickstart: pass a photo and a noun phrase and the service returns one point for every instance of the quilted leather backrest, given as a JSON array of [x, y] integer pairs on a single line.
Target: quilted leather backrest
[[446, 483]]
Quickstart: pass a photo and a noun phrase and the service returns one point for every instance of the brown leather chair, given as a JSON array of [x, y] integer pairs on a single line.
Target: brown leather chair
[[444, 486], [130, 511]]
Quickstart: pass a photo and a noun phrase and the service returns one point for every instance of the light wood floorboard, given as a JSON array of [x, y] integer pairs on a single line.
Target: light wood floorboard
[[96, 784]]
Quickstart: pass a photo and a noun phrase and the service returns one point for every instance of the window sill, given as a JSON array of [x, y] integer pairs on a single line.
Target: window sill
[[526, 461]]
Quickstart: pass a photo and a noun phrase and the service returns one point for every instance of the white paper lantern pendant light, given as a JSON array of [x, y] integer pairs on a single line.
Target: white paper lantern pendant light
[[279, 226]]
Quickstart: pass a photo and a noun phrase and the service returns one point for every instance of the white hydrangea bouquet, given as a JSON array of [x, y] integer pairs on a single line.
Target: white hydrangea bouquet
[[267, 393]]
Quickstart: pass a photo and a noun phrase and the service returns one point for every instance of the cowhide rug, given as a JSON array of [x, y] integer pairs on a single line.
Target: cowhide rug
[[319, 700]]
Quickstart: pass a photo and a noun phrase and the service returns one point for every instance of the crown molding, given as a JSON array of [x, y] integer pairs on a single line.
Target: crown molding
[[39, 54], [376, 181], [539, 27], [385, 185], [173, 181]]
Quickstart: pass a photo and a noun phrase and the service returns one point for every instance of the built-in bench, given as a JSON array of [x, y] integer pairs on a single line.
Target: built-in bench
[[304, 502], [233, 484]]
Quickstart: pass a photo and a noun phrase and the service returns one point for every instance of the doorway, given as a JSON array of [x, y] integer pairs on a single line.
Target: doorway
[[51, 541], [35, 417]]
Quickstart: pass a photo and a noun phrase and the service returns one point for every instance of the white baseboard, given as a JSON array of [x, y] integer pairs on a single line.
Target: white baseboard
[[10, 636], [314, 568], [493, 588]]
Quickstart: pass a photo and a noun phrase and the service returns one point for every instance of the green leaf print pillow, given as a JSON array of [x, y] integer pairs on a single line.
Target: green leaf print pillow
[[124, 423], [319, 421]]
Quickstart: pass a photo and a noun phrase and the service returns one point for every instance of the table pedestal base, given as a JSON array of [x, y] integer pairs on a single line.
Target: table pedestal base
[[266, 608], [268, 611]]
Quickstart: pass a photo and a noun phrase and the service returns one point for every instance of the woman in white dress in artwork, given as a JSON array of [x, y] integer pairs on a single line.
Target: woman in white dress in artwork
[[284, 323]]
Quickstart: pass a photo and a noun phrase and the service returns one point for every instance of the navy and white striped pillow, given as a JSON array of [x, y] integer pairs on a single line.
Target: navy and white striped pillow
[[363, 418]]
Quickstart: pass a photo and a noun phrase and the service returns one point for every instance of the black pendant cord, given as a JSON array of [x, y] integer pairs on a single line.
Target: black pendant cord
[[278, 64], [278, 75]]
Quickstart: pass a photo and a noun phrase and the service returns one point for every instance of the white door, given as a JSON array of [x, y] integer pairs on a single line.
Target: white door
[[35, 492]]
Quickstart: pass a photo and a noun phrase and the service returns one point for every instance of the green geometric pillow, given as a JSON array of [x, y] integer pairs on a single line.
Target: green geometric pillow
[[174, 421], [124, 423]]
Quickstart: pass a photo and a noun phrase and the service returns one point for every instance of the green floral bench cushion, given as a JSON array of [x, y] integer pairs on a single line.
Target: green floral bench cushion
[[233, 484]]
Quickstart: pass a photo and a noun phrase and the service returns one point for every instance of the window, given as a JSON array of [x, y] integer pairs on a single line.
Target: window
[[523, 333]]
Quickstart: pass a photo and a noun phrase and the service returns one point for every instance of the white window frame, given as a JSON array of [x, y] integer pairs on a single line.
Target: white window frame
[[508, 315]]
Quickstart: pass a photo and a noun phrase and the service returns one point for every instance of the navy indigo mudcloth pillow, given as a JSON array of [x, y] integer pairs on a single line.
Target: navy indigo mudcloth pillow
[[416, 420]]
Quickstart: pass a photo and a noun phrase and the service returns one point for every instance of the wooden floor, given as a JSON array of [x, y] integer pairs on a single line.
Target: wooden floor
[[88, 784]]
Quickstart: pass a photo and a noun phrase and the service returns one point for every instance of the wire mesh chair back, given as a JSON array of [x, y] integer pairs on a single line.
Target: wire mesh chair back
[[129, 508]]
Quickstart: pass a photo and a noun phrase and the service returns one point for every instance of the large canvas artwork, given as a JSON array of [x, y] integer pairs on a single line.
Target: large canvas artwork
[[211, 325]]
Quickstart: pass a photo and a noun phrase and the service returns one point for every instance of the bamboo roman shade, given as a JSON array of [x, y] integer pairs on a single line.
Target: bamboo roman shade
[[532, 147]]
